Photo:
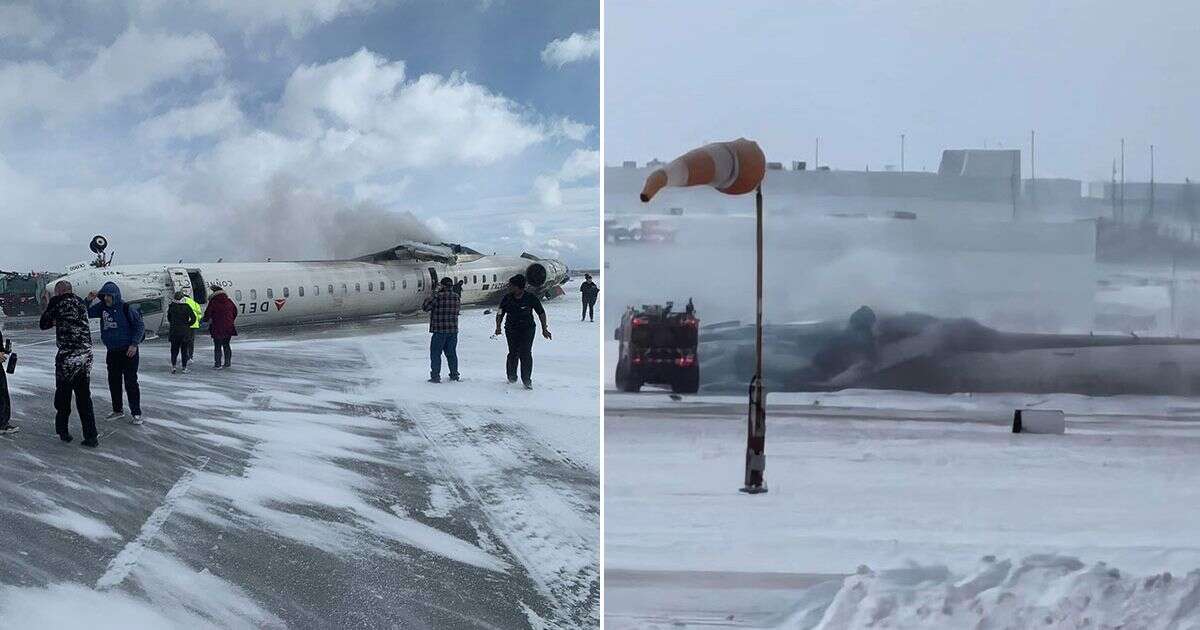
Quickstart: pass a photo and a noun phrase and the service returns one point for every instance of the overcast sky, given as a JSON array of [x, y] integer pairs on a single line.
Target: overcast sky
[[225, 128], [961, 74]]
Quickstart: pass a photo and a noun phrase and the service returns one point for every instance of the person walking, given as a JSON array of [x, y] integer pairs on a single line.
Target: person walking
[[443, 308], [590, 292], [6, 427], [181, 317], [121, 330], [220, 315], [187, 299], [519, 306], [67, 314]]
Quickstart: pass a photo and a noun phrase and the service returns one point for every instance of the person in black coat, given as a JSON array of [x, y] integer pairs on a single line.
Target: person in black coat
[[6, 426], [590, 291], [181, 317], [516, 314]]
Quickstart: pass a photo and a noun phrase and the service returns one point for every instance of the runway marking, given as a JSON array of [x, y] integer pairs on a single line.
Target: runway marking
[[124, 562]]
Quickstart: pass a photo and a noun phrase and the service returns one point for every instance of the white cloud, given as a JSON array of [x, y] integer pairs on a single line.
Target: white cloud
[[128, 67], [253, 16], [525, 226], [567, 128], [547, 191], [212, 116], [577, 47], [581, 164], [363, 104], [20, 24]]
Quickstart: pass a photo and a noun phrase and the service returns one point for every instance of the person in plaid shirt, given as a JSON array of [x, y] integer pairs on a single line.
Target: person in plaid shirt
[[443, 324]]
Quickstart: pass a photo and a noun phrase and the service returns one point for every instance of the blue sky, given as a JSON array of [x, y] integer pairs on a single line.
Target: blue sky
[[222, 128]]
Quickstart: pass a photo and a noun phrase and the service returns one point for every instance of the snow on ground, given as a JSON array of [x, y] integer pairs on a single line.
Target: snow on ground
[[885, 479], [320, 483]]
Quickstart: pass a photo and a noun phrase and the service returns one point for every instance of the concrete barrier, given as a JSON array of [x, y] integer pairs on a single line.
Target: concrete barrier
[[1050, 421]]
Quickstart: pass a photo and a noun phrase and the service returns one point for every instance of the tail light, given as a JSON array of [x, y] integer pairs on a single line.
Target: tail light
[[637, 360], [640, 321], [687, 361]]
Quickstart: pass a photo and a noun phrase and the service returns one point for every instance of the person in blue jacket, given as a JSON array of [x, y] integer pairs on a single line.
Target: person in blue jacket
[[121, 329]]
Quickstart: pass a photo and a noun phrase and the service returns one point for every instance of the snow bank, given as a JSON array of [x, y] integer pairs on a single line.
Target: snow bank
[[1039, 591]]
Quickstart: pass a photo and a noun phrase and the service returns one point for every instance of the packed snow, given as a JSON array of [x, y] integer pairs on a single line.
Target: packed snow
[[917, 487], [319, 483]]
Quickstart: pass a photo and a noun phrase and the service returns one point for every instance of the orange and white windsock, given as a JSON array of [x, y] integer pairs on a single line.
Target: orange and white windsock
[[734, 168]]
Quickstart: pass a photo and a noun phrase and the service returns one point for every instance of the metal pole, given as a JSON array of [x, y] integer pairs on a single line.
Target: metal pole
[[1016, 181], [756, 421], [1112, 189], [1151, 180], [901, 153], [1032, 172], [1122, 179]]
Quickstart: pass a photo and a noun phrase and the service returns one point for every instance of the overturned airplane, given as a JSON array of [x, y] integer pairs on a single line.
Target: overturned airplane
[[396, 280], [920, 352]]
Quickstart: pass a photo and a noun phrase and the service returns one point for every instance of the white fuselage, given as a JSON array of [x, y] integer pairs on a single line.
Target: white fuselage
[[283, 293]]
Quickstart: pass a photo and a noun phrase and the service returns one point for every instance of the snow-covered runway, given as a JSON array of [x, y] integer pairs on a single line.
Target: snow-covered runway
[[881, 479], [320, 483]]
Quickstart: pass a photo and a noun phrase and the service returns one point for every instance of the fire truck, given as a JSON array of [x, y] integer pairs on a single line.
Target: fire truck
[[658, 346]]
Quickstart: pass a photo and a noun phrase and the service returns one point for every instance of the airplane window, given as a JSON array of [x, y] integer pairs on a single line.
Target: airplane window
[[493, 277], [238, 295], [330, 288], [147, 307], [254, 294], [404, 284], [301, 289], [344, 291], [370, 286], [393, 285], [285, 292], [270, 294], [357, 287]]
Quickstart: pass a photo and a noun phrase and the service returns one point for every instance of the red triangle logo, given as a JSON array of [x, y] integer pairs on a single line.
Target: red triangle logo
[[279, 304]]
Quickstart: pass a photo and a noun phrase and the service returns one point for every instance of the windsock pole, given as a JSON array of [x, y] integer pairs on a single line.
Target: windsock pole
[[756, 420], [734, 168]]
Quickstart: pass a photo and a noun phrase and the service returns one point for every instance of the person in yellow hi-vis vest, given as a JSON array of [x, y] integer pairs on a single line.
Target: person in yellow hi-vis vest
[[187, 299]]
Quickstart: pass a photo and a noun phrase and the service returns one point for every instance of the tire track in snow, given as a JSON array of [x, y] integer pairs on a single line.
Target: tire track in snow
[[515, 512], [124, 562]]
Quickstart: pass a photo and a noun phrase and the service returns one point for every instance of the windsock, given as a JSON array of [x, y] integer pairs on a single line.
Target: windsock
[[734, 168]]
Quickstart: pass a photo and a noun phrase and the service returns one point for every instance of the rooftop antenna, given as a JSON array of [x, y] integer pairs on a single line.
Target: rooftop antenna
[[817, 155], [901, 153]]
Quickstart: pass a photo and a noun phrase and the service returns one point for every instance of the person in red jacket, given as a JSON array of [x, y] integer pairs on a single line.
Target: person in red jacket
[[220, 313]]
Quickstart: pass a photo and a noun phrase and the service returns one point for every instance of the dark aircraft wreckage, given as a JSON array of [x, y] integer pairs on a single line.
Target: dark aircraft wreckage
[[919, 352]]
